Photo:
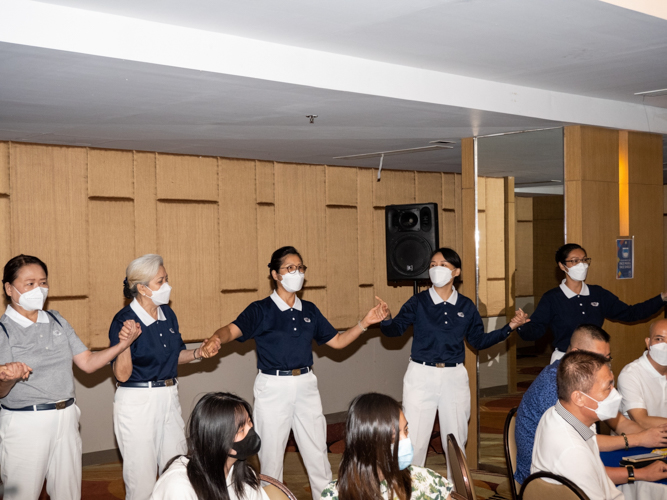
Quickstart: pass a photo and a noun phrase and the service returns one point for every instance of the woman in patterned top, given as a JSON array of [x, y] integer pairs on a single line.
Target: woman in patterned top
[[373, 466]]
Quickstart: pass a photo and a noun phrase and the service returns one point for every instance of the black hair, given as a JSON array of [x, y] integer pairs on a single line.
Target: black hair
[[278, 257], [593, 332], [563, 252], [371, 429], [577, 372], [451, 257], [15, 264], [214, 423]]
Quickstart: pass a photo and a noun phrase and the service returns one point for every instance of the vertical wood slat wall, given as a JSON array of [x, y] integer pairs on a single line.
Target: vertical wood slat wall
[[88, 212]]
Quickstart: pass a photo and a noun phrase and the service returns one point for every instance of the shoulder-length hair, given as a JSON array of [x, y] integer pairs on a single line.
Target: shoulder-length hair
[[372, 427]]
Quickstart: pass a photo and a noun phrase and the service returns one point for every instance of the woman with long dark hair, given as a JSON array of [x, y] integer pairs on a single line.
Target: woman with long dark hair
[[220, 439], [377, 456]]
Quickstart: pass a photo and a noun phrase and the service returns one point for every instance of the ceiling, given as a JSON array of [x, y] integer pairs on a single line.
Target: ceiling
[[379, 75]]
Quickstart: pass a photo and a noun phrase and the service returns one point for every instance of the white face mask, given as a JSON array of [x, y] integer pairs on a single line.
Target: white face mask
[[578, 272], [160, 296], [292, 282], [658, 353], [34, 299], [608, 407], [440, 276]]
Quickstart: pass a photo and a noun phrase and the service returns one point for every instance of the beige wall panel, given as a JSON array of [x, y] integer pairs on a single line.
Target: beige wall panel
[[365, 211], [483, 276], [317, 296], [524, 259], [495, 228], [111, 250], [644, 158], [548, 208], [601, 198], [238, 225], [524, 209], [110, 173], [145, 203], [664, 199], [547, 238], [75, 311], [49, 212], [366, 300], [449, 191], [265, 182], [664, 231], [266, 245], [459, 214], [428, 188], [231, 305], [495, 298], [193, 178], [448, 229], [341, 186], [5, 228], [188, 242], [4, 168], [342, 263], [599, 154], [481, 193], [397, 187]]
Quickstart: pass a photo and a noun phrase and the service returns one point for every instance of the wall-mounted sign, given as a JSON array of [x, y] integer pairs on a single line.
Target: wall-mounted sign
[[625, 258]]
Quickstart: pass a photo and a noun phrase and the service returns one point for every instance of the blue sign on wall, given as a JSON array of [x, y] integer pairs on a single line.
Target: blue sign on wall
[[625, 258]]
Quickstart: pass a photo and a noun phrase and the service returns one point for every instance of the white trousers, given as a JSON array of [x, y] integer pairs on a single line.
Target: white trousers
[[427, 389], [284, 403], [38, 445], [149, 429]]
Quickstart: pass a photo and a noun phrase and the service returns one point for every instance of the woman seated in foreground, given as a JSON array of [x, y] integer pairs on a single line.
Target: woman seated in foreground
[[378, 452], [220, 439]]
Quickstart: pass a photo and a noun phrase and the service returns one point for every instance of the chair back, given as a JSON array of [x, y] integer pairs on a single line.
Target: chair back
[[276, 490], [536, 488], [456, 496], [461, 476], [509, 443]]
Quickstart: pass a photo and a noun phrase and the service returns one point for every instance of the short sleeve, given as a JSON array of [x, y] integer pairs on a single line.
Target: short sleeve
[[250, 321], [325, 330], [114, 331], [5, 349], [632, 391], [75, 343]]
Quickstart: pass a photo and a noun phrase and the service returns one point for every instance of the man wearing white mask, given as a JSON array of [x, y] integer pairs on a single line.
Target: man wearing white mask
[[564, 308], [565, 441], [643, 383], [436, 379]]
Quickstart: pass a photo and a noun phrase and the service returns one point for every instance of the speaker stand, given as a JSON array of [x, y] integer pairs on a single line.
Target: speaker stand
[[415, 289]]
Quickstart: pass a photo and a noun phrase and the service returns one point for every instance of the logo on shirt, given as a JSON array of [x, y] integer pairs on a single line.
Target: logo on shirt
[[172, 330], [307, 320], [595, 304], [461, 315], [57, 333]]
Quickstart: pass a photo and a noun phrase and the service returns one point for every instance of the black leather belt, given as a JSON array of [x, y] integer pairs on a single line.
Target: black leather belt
[[437, 365], [155, 383], [60, 405], [288, 373]]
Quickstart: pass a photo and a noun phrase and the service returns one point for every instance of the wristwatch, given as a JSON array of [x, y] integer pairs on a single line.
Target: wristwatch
[[631, 473]]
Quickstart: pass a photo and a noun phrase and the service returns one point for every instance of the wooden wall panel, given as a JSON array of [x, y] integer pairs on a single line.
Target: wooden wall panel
[[342, 263], [448, 229], [188, 242], [548, 236], [365, 214], [233, 304], [265, 182], [49, 212], [266, 245], [366, 300], [428, 188], [459, 213], [495, 302], [524, 209], [145, 203], [449, 193], [482, 290], [4, 168], [238, 225], [187, 177], [524, 259], [5, 229], [111, 250], [397, 187], [318, 296], [110, 173], [76, 311], [495, 228], [341, 184]]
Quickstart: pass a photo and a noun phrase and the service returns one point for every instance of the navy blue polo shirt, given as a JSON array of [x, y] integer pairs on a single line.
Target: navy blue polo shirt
[[440, 328], [284, 334], [563, 311], [155, 352]]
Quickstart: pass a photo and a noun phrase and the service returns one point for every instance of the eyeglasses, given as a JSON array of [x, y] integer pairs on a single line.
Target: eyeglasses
[[292, 269], [574, 262]]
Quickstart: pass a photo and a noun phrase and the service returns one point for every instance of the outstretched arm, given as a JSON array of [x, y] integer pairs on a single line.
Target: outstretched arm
[[90, 361], [375, 315]]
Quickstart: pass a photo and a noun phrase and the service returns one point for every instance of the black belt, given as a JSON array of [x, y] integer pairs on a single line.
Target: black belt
[[155, 383], [60, 405], [437, 365], [287, 373]]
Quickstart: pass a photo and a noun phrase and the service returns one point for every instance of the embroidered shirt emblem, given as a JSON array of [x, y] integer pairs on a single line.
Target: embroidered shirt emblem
[[57, 333], [595, 304], [172, 330], [461, 315], [307, 320]]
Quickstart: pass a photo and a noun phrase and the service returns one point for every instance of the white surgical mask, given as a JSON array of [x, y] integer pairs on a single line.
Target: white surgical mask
[[160, 296], [292, 282], [578, 272], [658, 353], [608, 407], [34, 299], [440, 276]]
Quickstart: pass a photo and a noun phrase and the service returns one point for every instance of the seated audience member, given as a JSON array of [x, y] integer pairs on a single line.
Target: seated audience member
[[643, 383], [543, 394], [564, 442], [220, 439], [378, 452]]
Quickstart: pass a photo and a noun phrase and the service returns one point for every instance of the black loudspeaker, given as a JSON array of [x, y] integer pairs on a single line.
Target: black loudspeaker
[[411, 235]]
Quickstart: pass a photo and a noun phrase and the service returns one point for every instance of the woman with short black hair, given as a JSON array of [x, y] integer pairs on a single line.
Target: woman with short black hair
[[436, 378], [574, 303]]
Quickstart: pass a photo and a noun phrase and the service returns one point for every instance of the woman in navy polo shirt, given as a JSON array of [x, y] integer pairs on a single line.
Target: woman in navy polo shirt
[[436, 379], [286, 394], [146, 411], [574, 303]]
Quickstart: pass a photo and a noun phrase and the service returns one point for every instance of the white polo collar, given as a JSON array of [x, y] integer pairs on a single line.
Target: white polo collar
[[438, 300], [569, 293], [42, 317], [146, 318], [282, 305], [644, 361]]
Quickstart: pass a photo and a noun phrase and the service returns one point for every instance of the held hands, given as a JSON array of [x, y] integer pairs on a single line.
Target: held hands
[[210, 347], [520, 318], [655, 437], [14, 371], [129, 333], [375, 315], [385, 308]]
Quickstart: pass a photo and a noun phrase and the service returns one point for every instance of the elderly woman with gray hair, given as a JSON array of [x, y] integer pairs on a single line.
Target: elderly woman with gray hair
[[147, 417]]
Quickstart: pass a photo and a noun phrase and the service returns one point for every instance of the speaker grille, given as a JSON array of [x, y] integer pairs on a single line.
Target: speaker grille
[[410, 256]]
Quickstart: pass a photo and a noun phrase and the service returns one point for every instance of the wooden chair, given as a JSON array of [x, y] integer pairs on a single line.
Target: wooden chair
[[509, 443], [536, 488], [276, 490], [456, 496], [461, 477]]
